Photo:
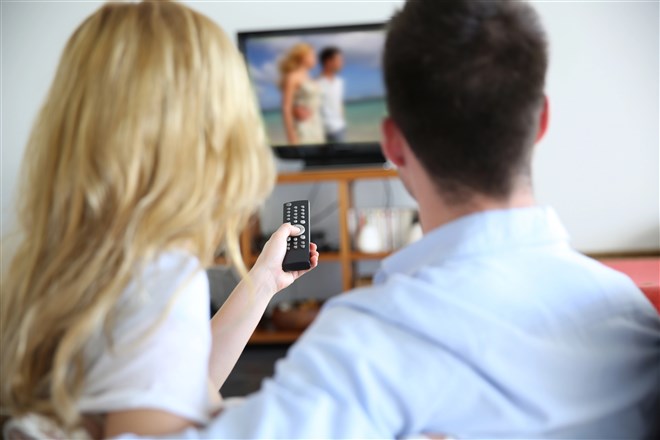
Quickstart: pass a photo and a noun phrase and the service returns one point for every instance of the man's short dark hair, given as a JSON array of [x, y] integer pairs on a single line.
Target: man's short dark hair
[[328, 53], [465, 84]]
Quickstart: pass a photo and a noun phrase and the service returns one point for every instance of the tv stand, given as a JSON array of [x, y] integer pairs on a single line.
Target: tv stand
[[346, 256], [344, 179]]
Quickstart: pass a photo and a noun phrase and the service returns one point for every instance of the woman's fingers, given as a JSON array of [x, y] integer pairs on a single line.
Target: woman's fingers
[[313, 260], [287, 230], [313, 255]]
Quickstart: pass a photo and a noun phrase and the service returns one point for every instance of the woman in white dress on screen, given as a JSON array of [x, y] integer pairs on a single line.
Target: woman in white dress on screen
[[145, 159], [301, 97]]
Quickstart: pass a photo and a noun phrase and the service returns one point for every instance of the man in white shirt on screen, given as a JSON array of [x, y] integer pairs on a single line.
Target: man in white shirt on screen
[[332, 95]]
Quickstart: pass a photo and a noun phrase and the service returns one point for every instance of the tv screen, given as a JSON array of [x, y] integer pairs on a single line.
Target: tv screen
[[319, 87]]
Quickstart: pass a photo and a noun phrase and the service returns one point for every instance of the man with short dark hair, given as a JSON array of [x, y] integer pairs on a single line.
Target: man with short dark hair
[[490, 326], [332, 94]]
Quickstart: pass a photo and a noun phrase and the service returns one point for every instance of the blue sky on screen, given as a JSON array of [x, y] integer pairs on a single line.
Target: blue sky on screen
[[362, 52]]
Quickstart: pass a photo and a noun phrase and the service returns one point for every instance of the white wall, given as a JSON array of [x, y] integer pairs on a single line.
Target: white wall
[[599, 163], [598, 166], [33, 35]]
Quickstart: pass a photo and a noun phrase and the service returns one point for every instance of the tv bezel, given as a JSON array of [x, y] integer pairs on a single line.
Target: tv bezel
[[329, 153]]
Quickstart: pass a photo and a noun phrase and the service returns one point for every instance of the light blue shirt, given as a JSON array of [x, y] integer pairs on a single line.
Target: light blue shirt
[[490, 326]]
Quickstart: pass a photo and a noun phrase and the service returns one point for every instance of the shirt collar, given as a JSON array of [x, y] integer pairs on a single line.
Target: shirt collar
[[478, 234]]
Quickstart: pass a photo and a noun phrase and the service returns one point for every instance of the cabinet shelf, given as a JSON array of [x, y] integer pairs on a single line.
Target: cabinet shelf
[[346, 257], [324, 257], [270, 337], [356, 256]]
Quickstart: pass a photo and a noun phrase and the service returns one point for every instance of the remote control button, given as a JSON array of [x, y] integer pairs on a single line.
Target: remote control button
[[288, 239], [302, 237], [288, 204], [301, 227], [302, 222]]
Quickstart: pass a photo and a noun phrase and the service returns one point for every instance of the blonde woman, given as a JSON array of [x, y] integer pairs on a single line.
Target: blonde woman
[[301, 97], [144, 159]]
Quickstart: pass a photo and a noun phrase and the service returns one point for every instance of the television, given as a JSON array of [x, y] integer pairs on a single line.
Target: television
[[320, 91]]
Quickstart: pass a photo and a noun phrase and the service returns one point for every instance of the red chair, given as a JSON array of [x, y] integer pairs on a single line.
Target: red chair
[[645, 272]]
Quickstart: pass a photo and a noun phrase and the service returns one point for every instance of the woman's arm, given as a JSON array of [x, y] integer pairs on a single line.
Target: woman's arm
[[143, 422], [289, 88], [236, 320]]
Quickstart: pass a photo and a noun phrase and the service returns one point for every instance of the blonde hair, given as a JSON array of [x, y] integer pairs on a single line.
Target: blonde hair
[[149, 139], [293, 59]]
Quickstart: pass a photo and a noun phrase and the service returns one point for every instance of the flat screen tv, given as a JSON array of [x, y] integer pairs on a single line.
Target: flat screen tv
[[320, 91]]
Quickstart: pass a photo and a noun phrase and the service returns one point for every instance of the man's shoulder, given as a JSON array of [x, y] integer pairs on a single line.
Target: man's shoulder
[[369, 304], [520, 290], [400, 304]]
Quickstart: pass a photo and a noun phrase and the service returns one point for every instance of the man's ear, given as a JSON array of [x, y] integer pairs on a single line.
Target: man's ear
[[544, 119], [393, 142]]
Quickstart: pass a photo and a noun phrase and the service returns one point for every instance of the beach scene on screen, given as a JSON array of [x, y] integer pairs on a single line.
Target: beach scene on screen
[[364, 103]]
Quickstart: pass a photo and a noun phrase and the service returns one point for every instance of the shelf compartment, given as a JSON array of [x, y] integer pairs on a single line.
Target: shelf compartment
[[272, 336], [369, 255]]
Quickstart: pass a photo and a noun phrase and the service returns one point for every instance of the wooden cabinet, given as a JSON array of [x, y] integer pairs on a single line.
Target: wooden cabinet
[[345, 256]]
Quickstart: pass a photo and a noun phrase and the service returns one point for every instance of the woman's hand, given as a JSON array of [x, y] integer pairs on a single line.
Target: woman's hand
[[268, 268], [236, 320]]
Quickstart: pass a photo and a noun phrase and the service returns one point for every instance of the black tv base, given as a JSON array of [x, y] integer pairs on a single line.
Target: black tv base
[[333, 155]]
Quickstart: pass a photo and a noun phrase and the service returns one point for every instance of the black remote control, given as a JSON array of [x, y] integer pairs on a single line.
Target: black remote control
[[297, 248]]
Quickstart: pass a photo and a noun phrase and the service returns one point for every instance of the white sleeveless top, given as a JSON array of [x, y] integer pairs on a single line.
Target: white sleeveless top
[[161, 345]]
